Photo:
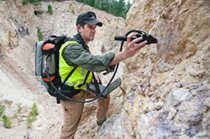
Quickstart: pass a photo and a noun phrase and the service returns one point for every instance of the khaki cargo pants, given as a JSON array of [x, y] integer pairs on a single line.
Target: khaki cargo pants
[[73, 113]]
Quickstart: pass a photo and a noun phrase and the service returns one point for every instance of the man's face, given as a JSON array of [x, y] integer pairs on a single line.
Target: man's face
[[88, 32]]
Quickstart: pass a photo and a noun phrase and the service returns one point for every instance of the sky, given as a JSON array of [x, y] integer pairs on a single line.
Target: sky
[[131, 1]]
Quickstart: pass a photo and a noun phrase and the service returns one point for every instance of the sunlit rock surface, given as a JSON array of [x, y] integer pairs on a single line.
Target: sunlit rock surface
[[166, 86]]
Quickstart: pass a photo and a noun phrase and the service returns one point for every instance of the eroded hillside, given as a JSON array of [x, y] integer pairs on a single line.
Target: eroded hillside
[[166, 88]]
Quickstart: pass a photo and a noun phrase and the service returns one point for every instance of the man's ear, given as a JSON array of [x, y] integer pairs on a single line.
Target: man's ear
[[79, 28]]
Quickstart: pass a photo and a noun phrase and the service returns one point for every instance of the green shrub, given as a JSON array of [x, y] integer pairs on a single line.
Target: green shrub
[[2, 108], [9, 103], [32, 116], [40, 36], [29, 121], [50, 9], [25, 2], [34, 110], [19, 108], [72, 11], [6, 121], [15, 116]]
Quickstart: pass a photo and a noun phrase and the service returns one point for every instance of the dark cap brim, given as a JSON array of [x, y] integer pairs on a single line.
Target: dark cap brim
[[98, 23]]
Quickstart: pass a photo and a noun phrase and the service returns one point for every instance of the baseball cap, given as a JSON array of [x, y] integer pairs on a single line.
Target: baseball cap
[[89, 18]]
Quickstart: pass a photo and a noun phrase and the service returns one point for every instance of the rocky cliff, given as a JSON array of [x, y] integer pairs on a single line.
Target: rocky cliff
[[166, 88]]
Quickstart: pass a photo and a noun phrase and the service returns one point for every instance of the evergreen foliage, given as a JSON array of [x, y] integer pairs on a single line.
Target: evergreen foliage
[[34, 110], [40, 36], [6, 121], [50, 9], [29, 121], [34, 1], [115, 7], [32, 116], [25, 2], [19, 108]]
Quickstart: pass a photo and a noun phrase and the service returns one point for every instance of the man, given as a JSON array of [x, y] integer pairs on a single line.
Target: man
[[76, 54]]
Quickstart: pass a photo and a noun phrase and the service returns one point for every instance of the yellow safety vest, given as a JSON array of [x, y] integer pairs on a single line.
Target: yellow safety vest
[[78, 76]]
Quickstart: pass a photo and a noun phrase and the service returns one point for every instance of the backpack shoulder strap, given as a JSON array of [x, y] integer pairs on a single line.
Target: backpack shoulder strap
[[80, 40], [71, 39], [59, 41], [68, 77]]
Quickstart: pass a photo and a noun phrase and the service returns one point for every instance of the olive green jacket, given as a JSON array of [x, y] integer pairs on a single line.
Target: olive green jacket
[[75, 55]]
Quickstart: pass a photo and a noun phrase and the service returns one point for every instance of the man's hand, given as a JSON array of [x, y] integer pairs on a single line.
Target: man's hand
[[129, 51], [132, 47]]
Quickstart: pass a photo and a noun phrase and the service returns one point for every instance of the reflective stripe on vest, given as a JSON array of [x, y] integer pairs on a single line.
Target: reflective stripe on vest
[[78, 76]]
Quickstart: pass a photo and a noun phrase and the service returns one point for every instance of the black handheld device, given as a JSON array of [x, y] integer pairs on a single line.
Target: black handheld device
[[140, 33]]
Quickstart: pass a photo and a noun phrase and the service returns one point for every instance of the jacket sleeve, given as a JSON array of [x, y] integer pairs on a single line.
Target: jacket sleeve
[[75, 55]]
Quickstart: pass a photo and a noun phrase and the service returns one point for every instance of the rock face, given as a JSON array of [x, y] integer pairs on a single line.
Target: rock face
[[166, 86]]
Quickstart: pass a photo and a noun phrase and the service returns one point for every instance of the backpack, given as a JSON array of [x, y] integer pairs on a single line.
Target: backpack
[[47, 61]]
